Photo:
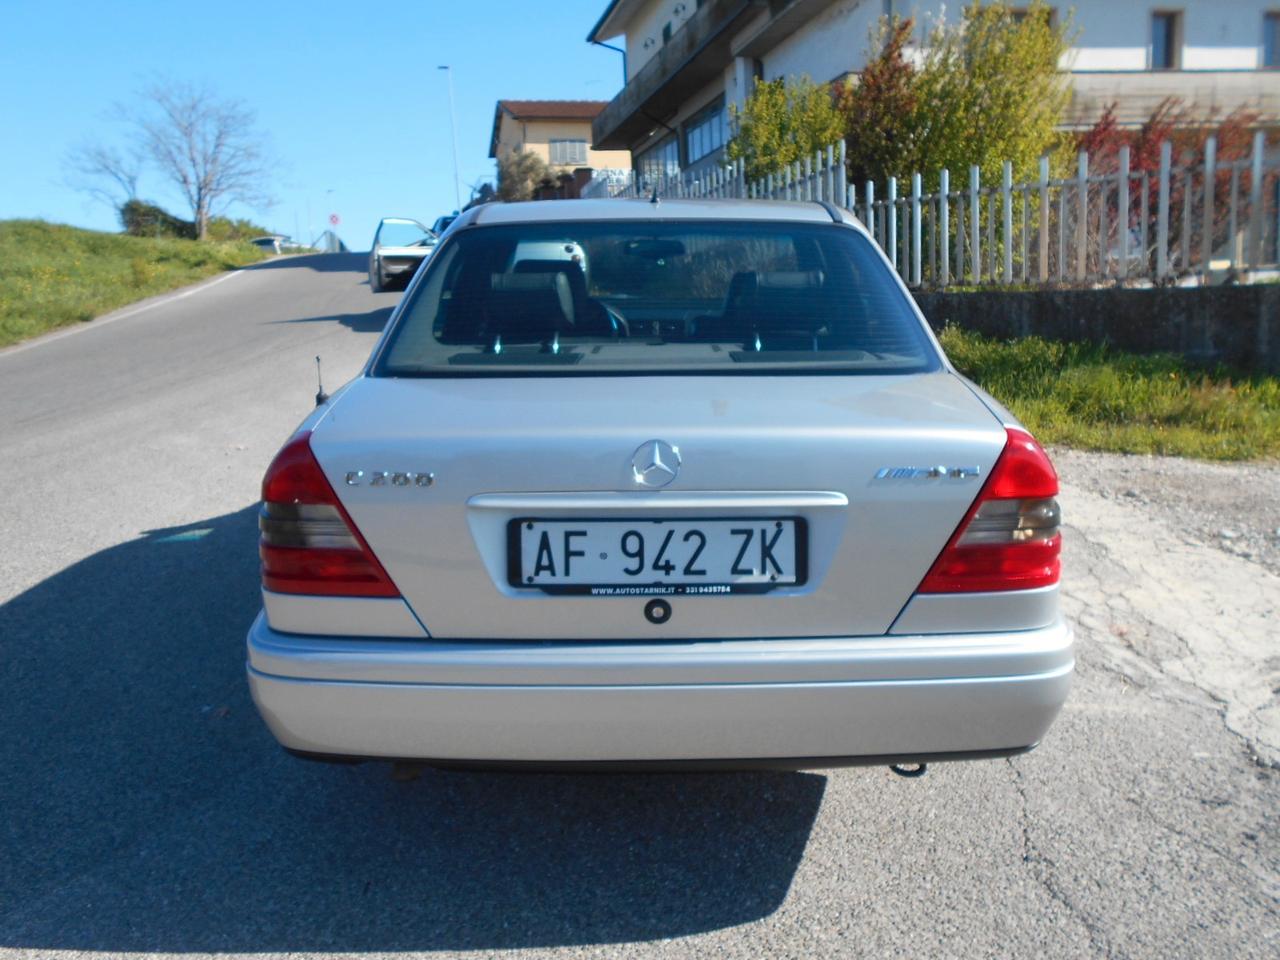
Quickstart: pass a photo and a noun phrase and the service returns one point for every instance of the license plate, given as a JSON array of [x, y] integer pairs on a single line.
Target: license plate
[[657, 557]]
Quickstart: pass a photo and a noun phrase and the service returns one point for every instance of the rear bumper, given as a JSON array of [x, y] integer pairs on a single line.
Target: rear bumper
[[396, 265], [794, 702]]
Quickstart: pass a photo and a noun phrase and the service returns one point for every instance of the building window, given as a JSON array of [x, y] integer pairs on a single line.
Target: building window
[[565, 152], [1271, 40], [662, 160], [1166, 40], [706, 131]]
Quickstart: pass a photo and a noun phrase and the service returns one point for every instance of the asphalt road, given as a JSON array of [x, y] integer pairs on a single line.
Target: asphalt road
[[147, 810]]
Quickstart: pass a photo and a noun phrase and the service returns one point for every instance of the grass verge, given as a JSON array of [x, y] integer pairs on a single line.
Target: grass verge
[[53, 275], [1088, 396]]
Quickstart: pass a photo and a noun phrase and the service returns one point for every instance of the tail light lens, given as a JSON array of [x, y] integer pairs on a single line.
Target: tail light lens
[[1009, 540], [308, 544]]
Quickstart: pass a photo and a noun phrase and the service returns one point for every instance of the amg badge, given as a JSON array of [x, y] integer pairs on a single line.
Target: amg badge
[[930, 473]]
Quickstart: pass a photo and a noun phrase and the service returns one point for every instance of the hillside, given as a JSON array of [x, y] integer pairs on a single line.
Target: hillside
[[53, 275]]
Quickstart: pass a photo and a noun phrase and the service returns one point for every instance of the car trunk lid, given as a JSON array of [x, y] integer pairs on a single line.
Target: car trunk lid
[[872, 472]]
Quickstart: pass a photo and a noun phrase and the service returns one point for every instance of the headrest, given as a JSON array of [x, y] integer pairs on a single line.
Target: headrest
[[536, 294], [526, 282], [547, 266]]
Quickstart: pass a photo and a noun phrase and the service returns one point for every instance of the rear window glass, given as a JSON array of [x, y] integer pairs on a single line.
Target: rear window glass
[[401, 233], [640, 297]]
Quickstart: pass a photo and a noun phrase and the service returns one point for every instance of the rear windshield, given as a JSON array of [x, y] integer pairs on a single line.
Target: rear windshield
[[638, 297], [401, 233]]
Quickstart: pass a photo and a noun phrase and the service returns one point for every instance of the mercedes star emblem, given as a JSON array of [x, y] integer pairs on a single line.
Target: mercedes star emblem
[[655, 463]]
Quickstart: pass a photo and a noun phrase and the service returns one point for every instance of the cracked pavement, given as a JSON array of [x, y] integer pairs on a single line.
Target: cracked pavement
[[149, 813]]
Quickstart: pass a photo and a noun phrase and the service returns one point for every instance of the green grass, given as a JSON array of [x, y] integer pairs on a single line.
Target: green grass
[[1087, 396], [54, 276]]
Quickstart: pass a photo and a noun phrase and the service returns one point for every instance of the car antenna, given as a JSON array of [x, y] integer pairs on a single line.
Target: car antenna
[[321, 396]]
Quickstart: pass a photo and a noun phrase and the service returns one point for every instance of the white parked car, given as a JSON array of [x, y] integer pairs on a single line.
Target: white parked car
[[400, 246], [710, 496]]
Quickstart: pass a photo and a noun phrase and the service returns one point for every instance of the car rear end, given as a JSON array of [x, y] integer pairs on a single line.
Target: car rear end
[[733, 525], [400, 263], [400, 247]]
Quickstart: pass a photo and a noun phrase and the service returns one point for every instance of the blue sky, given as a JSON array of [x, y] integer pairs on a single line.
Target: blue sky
[[348, 93]]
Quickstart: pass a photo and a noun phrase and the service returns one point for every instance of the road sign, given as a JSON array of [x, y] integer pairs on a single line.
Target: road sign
[[334, 220]]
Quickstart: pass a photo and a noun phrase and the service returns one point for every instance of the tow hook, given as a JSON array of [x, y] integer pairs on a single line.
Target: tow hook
[[909, 770]]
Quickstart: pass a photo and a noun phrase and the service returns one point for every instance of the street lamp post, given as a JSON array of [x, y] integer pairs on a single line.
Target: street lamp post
[[453, 125]]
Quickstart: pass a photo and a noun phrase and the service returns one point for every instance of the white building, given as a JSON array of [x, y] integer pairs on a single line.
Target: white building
[[687, 60]]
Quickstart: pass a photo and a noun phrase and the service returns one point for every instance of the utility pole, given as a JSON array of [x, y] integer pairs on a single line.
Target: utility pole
[[453, 124]]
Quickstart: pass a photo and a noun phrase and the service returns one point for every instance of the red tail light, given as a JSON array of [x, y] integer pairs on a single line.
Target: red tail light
[[1009, 540], [308, 543]]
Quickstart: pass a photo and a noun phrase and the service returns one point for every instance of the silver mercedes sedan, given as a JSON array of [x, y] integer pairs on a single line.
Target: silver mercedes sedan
[[659, 484]]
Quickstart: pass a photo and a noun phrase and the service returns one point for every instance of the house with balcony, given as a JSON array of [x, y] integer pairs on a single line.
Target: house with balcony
[[687, 61], [559, 131]]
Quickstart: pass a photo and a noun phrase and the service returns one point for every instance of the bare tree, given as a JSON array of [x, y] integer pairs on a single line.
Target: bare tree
[[208, 147], [104, 173]]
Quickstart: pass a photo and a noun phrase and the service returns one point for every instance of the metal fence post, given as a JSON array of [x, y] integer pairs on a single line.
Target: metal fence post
[[975, 228], [891, 222], [1210, 186], [1162, 211], [915, 229], [993, 248], [1122, 226], [1025, 193], [1082, 216], [944, 225], [1043, 273], [1254, 257], [1006, 212], [1062, 231], [825, 180], [1104, 227], [869, 192]]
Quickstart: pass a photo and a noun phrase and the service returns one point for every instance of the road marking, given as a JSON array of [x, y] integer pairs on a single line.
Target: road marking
[[121, 314]]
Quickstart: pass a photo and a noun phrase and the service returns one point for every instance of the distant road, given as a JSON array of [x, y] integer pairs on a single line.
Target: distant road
[[145, 808]]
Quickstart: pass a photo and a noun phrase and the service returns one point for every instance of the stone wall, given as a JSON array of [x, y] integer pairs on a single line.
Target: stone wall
[[1235, 325]]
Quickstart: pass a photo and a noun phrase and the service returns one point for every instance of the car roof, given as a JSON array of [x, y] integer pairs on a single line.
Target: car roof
[[557, 211]]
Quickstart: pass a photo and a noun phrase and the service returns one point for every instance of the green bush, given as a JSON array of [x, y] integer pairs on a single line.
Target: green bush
[[782, 121], [226, 229], [985, 88], [142, 219]]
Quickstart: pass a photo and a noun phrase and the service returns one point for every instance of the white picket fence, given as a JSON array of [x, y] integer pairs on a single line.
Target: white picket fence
[[1192, 219]]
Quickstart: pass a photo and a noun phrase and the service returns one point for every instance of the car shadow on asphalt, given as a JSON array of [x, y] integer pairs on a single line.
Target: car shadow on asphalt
[[148, 809], [319, 262], [371, 322]]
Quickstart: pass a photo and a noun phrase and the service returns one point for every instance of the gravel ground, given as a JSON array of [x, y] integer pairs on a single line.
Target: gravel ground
[[1234, 507]]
